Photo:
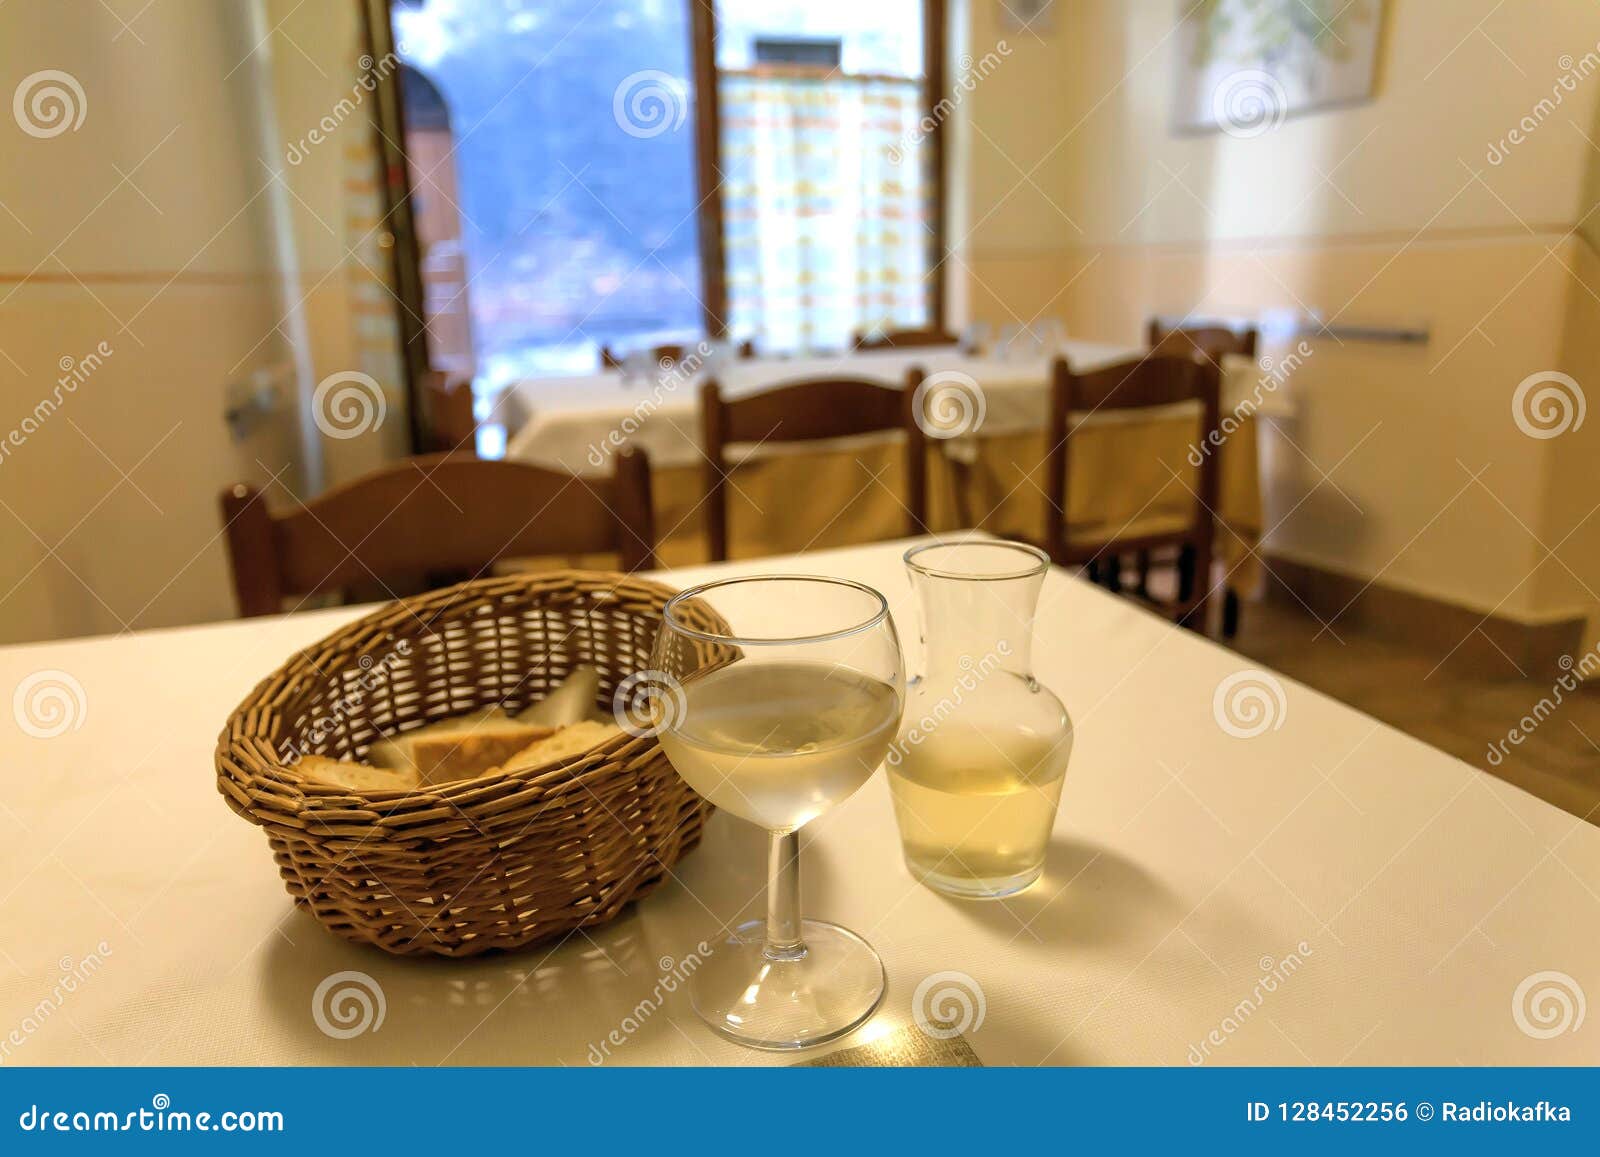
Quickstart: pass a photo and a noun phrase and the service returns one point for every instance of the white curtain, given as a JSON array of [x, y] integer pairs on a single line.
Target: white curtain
[[825, 205]]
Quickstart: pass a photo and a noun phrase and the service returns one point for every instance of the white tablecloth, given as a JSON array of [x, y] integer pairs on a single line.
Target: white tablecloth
[[1416, 895], [557, 421]]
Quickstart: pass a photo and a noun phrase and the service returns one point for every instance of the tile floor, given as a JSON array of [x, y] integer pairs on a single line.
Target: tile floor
[[1559, 761]]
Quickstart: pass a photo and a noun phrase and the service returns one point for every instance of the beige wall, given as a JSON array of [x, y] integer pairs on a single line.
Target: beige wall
[[1569, 523], [173, 268], [189, 270], [1572, 480], [1384, 213]]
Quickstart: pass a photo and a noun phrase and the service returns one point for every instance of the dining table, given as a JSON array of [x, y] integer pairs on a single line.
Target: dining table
[[1292, 884], [1132, 472]]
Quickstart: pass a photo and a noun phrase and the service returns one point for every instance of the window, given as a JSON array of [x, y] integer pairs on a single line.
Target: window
[[570, 231], [827, 199], [563, 178]]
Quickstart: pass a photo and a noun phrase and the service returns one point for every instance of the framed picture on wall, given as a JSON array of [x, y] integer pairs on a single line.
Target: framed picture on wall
[[1245, 65]]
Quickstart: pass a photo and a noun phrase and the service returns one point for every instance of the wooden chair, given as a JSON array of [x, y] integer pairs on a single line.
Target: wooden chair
[[1214, 342], [448, 421], [432, 514], [806, 411], [1130, 385], [889, 339]]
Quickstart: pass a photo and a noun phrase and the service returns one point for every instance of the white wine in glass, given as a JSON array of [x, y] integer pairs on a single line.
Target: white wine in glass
[[779, 743], [978, 806], [777, 720]]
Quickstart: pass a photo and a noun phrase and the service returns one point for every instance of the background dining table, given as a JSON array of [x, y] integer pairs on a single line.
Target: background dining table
[[1130, 473], [1304, 886]]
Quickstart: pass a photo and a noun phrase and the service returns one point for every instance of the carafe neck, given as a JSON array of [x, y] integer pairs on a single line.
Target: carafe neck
[[976, 624]]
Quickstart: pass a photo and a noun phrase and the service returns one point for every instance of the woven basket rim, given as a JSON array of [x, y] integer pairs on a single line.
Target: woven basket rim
[[245, 738]]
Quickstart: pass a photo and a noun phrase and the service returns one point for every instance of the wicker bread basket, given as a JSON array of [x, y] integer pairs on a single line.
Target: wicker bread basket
[[498, 862]]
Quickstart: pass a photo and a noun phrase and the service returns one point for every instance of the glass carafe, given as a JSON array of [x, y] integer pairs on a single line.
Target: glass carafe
[[977, 768]]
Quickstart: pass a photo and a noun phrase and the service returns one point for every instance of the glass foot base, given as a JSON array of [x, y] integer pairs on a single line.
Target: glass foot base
[[977, 887], [826, 992]]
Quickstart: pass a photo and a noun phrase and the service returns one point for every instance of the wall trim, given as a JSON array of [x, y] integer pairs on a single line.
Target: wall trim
[[1491, 646], [1382, 240]]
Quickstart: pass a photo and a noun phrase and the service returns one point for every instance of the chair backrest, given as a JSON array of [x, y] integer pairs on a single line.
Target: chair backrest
[[1214, 341], [448, 421], [889, 339], [808, 410], [1138, 383], [434, 513]]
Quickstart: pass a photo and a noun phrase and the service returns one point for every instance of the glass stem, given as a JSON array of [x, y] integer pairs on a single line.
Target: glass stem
[[784, 941]]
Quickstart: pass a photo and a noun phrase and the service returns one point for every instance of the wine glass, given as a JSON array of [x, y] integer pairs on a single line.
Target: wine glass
[[1019, 343], [1052, 336], [975, 338], [638, 366], [777, 718]]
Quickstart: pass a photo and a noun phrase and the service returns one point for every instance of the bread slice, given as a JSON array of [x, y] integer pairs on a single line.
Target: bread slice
[[571, 701], [399, 751], [460, 755], [357, 777], [572, 740]]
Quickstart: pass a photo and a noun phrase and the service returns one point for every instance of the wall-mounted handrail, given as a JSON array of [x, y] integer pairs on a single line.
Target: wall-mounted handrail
[[1390, 334], [1277, 326]]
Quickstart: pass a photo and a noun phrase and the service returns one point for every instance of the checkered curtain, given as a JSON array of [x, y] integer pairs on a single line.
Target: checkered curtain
[[826, 206]]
